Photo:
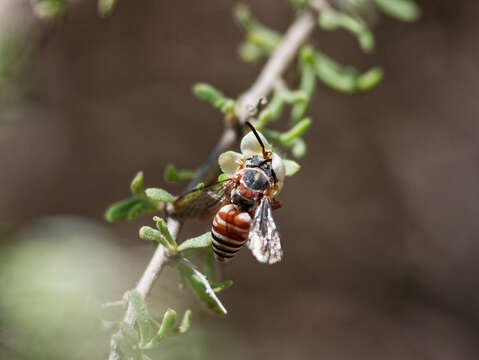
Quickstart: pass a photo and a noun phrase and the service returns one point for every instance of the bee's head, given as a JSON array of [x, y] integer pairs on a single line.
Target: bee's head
[[262, 157], [255, 161]]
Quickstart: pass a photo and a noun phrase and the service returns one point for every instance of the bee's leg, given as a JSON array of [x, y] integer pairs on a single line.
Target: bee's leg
[[236, 178], [275, 204]]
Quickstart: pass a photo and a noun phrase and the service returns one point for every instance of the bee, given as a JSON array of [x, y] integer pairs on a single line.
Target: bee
[[243, 206]]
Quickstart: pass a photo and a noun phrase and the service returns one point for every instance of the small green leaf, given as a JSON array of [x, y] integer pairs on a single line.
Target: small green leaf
[[291, 167], [334, 75], [136, 185], [307, 82], [49, 9], [200, 285], [405, 10], [141, 315], [145, 206], [242, 15], [119, 210], [370, 79], [158, 194], [197, 242], [161, 225], [222, 177], [332, 19], [294, 97], [209, 265], [165, 327], [226, 106], [105, 7], [150, 234], [296, 131], [185, 322], [222, 286], [299, 148], [272, 111], [208, 93], [260, 40], [172, 174], [264, 38], [251, 53], [129, 209]]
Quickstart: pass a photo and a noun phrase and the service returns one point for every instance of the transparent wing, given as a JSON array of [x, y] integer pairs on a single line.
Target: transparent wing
[[263, 238], [202, 202]]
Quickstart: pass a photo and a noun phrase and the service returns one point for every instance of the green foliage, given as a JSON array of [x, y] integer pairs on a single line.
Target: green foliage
[[332, 19], [160, 195], [161, 225], [296, 131], [105, 7], [345, 79], [52, 9], [49, 9], [405, 10], [150, 234], [290, 139], [222, 177], [172, 174], [260, 40], [201, 286], [136, 185], [281, 97], [209, 94], [161, 236], [150, 332], [185, 322], [222, 286], [298, 148], [133, 207], [369, 79], [201, 241], [165, 327], [209, 266], [307, 82]]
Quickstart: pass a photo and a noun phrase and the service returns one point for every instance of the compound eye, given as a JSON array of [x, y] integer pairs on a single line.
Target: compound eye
[[253, 161]]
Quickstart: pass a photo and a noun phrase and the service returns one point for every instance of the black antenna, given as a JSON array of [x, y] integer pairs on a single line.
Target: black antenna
[[258, 138]]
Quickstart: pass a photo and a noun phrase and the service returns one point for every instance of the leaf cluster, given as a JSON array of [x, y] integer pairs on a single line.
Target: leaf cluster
[[52, 9], [148, 332]]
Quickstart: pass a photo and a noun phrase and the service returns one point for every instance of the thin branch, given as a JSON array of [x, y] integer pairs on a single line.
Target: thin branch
[[272, 72], [277, 64]]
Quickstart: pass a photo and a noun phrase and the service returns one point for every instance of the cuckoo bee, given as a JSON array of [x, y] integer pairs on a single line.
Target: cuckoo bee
[[243, 203]]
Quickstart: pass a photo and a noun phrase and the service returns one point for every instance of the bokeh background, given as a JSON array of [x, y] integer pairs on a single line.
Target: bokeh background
[[379, 227]]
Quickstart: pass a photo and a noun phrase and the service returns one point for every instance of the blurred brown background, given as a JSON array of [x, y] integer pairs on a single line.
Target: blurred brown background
[[379, 227]]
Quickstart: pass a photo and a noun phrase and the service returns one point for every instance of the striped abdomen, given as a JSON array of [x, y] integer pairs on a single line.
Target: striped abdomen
[[230, 231]]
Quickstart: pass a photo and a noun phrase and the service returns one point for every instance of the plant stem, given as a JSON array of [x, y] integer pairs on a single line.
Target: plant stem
[[272, 72], [277, 64]]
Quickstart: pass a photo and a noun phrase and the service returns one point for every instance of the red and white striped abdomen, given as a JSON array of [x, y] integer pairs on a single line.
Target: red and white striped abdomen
[[230, 231]]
